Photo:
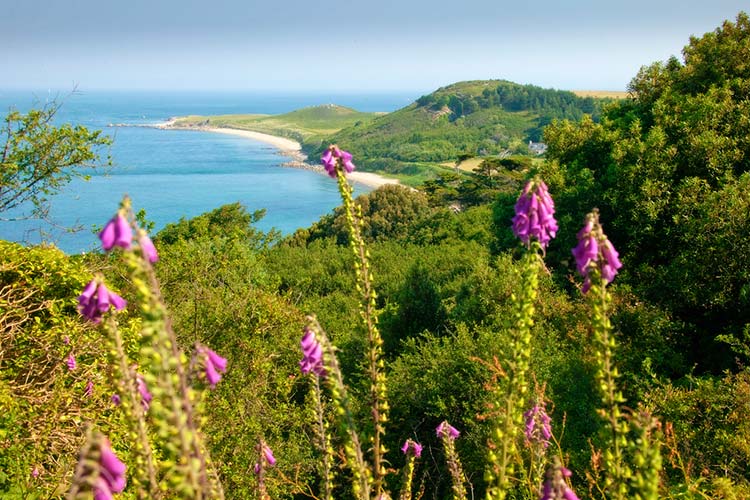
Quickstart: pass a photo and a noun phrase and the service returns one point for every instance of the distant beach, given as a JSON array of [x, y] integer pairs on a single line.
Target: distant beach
[[286, 147]]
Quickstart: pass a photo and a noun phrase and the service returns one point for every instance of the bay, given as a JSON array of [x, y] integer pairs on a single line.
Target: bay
[[177, 173]]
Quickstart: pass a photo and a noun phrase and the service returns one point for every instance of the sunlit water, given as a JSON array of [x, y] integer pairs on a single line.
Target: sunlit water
[[173, 173]]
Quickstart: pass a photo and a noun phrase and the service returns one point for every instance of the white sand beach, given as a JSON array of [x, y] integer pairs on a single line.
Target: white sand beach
[[290, 148]]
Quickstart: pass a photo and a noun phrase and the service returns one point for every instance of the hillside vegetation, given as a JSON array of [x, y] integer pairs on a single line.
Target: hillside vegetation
[[308, 125], [635, 389]]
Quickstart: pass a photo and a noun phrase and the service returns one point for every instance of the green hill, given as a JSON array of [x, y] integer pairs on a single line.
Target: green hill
[[475, 118], [307, 126]]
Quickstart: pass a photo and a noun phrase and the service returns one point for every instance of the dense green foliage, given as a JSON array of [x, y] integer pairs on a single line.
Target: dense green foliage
[[669, 170], [38, 158], [477, 118]]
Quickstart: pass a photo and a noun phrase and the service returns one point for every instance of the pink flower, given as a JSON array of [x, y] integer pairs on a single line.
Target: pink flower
[[447, 430], [117, 232], [146, 396], [147, 247], [111, 473], [89, 389], [593, 251], [35, 472], [537, 425], [214, 365], [71, 362], [334, 155], [116, 399], [312, 353], [535, 214], [96, 299], [412, 447], [268, 455]]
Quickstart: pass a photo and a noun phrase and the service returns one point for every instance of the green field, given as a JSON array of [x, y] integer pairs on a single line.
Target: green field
[[308, 125]]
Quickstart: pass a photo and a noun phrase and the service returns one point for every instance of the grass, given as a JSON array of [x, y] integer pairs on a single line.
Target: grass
[[601, 94], [307, 125]]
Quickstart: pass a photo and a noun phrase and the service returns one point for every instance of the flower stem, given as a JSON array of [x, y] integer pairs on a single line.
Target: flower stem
[[369, 315]]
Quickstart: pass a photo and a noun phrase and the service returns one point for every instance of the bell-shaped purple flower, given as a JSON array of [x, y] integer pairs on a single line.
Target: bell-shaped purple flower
[[312, 352], [89, 391], [35, 472], [214, 365], [111, 470], [147, 247], [447, 430], [334, 155], [594, 250], [555, 486], [537, 425], [535, 212], [117, 232], [268, 455], [411, 447], [96, 299], [146, 396], [71, 362], [116, 399]]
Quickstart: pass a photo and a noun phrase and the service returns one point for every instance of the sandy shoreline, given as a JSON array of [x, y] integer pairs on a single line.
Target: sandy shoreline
[[290, 148]]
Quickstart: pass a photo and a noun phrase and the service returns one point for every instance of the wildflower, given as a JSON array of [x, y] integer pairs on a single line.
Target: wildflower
[[333, 155], [214, 365], [555, 487], [446, 429], [35, 472], [537, 425], [268, 455], [116, 399], [147, 247], [313, 355], [143, 391], [89, 389], [66, 340], [534, 217], [117, 232], [412, 447], [96, 299], [594, 250], [71, 362], [111, 473]]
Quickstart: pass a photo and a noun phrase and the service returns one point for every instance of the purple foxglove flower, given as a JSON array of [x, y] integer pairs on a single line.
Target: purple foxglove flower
[[329, 162], [116, 399], [595, 250], [555, 487], [334, 155], [446, 429], [214, 365], [143, 391], [96, 299], [268, 455], [71, 362], [66, 340], [89, 389], [312, 352], [537, 425], [112, 470], [117, 232], [411, 446], [535, 215], [147, 247], [256, 468], [35, 472], [101, 490]]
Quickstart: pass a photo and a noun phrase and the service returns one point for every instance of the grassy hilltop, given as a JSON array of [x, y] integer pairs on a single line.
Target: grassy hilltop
[[482, 118], [309, 126]]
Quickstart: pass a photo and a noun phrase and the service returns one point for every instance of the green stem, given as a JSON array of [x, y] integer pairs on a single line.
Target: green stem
[[369, 317]]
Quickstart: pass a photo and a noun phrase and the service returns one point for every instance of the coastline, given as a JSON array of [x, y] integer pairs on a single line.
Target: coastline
[[289, 148]]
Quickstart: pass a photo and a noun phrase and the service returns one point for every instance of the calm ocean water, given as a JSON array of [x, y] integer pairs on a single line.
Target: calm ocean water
[[174, 174]]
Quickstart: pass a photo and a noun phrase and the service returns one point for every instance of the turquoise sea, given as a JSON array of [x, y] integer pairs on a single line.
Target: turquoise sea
[[173, 173]]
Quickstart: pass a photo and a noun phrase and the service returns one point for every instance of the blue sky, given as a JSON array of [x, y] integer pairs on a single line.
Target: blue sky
[[294, 45]]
